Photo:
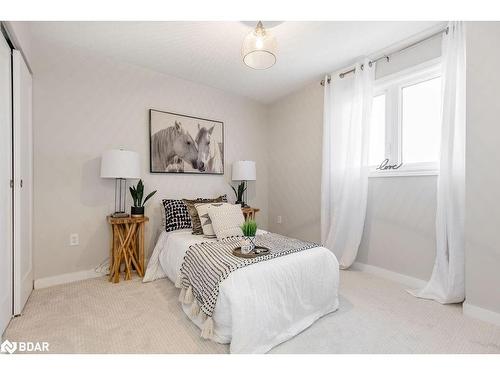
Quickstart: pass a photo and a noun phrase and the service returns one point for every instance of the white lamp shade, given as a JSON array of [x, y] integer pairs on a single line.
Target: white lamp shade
[[120, 164], [244, 170]]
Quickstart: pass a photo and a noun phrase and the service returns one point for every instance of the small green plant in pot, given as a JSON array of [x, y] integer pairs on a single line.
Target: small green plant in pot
[[137, 193], [249, 229]]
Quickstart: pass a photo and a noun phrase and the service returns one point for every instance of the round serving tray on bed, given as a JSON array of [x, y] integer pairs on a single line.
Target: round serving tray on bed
[[263, 251]]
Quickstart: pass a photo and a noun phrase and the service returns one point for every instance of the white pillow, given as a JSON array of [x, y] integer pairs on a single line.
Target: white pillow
[[226, 220], [206, 222]]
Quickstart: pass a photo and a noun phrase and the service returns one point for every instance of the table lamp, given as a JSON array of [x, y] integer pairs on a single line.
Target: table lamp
[[244, 171], [120, 165]]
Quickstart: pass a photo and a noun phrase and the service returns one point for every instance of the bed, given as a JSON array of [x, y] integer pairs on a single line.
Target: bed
[[262, 305]]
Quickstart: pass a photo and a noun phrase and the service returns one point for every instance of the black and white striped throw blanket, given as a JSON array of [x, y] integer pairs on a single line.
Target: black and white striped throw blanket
[[207, 264]]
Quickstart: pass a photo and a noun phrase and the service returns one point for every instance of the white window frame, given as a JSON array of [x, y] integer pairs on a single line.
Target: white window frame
[[392, 86]]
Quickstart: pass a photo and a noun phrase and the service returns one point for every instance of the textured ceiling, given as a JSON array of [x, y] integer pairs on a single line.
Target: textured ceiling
[[210, 52]]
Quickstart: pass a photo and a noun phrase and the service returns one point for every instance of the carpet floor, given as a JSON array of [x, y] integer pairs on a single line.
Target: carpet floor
[[375, 316]]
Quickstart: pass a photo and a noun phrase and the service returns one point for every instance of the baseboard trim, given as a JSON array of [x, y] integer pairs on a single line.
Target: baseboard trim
[[65, 278], [409, 281], [477, 312]]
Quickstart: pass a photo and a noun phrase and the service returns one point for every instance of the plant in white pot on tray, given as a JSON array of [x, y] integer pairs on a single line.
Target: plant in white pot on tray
[[249, 229]]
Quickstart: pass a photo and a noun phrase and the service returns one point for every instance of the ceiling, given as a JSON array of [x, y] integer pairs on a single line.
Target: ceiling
[[210, 52]]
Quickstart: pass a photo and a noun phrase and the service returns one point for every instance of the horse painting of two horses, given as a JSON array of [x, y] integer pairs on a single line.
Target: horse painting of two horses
[[185, 144]]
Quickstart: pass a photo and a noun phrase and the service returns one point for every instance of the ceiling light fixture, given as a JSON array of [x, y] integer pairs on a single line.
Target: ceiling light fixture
[[259, 48]]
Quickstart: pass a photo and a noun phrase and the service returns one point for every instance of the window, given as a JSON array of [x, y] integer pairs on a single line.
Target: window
[[406, 122], [421, 121]]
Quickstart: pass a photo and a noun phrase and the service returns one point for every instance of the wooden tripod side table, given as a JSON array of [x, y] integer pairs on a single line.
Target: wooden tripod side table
[[127, 246]]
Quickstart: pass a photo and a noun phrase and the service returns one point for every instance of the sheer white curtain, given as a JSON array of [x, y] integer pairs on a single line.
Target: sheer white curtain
[[447, 283], [344, 185]]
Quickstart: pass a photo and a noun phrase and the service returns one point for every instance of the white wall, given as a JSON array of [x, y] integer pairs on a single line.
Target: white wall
[[399, 230], [482, 161], [83, 106]]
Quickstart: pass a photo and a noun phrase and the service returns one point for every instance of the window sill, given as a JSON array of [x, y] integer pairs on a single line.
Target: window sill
[[403, 173]]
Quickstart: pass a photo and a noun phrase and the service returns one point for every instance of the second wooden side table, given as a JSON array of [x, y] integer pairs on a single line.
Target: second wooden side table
[[249, 212]]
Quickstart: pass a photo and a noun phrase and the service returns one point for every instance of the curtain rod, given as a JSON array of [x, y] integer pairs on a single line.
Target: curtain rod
[[388, 56]]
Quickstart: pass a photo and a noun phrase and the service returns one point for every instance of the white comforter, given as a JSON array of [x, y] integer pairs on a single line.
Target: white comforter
[[262, 305]]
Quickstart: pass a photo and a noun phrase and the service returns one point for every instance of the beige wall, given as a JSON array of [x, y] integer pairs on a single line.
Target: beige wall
[[83, 106], [399, 230], [21, 37], [482, 161], [295, 132], [399, 233]]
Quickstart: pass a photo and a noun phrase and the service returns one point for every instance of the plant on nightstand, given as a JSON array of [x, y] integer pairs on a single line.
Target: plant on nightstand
[[239, 192], [137, 193], [249, 229]]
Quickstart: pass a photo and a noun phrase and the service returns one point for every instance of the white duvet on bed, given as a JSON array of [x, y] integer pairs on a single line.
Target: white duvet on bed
[[264, 304]]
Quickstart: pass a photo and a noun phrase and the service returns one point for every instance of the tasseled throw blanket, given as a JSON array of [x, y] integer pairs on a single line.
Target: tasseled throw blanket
[[207, 264]]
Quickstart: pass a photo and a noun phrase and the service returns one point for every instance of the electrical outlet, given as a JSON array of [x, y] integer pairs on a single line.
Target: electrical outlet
[[279, 220], [74, 239]]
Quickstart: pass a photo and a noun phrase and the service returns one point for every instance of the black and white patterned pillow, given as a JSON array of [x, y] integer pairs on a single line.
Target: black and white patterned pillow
[[176, 215]]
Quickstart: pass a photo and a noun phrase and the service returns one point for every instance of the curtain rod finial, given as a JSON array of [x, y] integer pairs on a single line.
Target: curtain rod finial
[[328, 80]]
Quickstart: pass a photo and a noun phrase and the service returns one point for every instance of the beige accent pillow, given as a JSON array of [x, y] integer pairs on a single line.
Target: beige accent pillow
[[226, 220], [163, 216], [193, 213], [205, 221]]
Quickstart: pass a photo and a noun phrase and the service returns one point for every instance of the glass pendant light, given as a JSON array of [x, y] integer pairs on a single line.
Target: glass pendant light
[[259, 48]]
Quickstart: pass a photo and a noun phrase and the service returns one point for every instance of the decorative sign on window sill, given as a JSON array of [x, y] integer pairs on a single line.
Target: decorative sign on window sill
[[386, 169], [384, 166]]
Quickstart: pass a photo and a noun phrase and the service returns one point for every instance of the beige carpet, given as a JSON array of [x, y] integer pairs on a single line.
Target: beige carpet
[[376, 316]]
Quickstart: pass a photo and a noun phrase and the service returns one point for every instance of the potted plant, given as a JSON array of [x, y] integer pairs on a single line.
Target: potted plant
[[239, 193], [137, 193], [249, 229]]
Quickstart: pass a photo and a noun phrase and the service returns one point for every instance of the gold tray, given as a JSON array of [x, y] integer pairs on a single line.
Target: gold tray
[[264, 251]]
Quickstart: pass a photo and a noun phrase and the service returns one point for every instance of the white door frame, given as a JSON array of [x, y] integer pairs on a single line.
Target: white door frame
[[5, 187], [23, 181]]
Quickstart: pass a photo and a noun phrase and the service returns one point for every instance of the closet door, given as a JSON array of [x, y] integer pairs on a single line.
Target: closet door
[[23, 182], [5, 188]]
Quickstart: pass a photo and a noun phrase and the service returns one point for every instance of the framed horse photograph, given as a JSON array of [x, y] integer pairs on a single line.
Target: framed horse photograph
[[185, 144]]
